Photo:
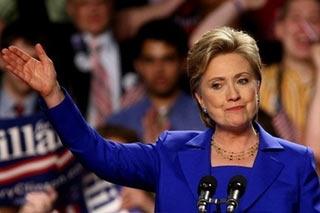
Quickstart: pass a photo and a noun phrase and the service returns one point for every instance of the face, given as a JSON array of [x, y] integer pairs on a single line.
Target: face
[[159, 66], [16, 84], [297, 29], [228, 90], [91, 16]]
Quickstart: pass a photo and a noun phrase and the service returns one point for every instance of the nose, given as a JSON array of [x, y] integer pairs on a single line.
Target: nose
[[232, 93], [158, 65]]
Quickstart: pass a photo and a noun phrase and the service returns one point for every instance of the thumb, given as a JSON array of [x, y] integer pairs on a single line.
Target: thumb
[[41, 53]]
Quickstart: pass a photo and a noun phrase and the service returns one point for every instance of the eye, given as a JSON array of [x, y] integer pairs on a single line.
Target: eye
[[216, 86], [243, 81], [170, 59]]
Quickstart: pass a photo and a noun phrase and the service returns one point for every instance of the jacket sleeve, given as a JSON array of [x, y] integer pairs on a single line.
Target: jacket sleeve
[[133, 165], [310, 189]]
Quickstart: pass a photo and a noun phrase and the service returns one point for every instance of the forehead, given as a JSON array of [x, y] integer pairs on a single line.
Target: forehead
[[229, 64], [157, 47]]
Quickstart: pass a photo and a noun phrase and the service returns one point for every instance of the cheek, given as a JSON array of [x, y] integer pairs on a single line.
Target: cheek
[[252, 96], [170, 66], [147, 76], [172, 72], [145, 70], [213, 100], [288, 31], [252, 100], [251, 93]]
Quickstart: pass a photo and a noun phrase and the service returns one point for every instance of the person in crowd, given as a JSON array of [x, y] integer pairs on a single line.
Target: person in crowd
[[161, 48], [290, 92], [238, 14], [89, 59], [16, 97], [224, 68], [26, 170]]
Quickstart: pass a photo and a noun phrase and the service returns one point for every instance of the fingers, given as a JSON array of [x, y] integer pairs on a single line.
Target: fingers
[[23, 56], [41, 53], [14, 58]]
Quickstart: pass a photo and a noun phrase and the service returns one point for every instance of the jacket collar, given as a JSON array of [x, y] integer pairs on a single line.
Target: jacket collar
[[195, 159], [195, 162], [265, 170]]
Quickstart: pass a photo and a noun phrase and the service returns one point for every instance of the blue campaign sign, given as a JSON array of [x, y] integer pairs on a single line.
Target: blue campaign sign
[[32, 157]]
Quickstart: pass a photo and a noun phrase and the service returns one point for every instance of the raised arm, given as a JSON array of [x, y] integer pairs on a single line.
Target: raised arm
[[131, 19], [227, 12], [38, 74], [133, 165]]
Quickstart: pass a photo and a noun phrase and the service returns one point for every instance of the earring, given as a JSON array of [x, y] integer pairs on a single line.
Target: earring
[[205, 111], [258, 99]]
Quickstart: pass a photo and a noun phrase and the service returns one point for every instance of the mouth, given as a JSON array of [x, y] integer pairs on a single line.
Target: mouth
[[303, 40], [235, 108]]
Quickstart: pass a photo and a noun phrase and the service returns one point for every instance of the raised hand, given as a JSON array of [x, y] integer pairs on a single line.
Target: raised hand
[[39, 74]]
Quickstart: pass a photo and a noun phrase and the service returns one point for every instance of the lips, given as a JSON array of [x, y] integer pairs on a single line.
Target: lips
[[235, 108]]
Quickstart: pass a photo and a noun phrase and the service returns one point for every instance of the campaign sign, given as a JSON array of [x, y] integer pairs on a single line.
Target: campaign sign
[[32, 157]]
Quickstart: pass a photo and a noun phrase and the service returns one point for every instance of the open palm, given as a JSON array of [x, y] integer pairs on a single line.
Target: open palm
[[39, 74]]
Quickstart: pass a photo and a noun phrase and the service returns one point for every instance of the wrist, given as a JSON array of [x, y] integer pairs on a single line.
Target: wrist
[[54, 97]]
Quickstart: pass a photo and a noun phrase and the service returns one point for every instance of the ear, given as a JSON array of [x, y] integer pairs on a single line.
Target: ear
[[199, 99]]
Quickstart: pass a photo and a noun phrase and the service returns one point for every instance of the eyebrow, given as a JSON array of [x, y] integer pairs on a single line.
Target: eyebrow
[[236, 76]]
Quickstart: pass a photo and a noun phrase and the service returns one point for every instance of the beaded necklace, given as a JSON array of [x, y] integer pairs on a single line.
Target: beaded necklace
[[235, 155]]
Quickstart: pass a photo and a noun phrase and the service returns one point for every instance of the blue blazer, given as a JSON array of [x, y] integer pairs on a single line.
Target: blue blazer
[[283, 177]]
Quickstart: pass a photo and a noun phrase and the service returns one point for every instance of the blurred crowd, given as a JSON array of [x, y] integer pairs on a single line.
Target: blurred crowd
[[124, 64]]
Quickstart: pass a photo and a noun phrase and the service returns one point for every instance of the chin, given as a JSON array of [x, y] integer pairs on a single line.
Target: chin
[[239, 124]]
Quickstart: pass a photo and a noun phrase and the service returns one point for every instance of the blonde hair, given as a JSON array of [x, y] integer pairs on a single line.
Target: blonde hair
[[216, 42]]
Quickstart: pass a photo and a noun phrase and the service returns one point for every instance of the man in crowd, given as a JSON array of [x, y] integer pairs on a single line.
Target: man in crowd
[[34, 165], [160, 59]]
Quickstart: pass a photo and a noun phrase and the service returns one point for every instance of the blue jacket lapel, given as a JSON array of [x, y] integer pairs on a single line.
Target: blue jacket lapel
[[195, 160], [265, 170]]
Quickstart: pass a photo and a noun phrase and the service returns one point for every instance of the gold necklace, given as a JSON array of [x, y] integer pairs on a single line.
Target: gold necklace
[[235, 155]]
